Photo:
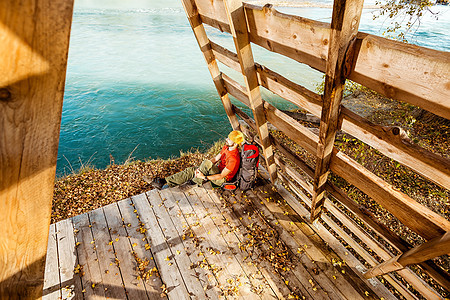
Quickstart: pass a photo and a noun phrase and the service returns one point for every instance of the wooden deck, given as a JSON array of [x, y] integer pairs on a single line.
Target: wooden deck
[[200, 245]]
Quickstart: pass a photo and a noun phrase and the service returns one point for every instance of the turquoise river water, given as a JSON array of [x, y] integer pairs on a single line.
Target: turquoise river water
[[137, 85]]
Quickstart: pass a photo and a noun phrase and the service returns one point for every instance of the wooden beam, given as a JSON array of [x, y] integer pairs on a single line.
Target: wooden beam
[[380, 65], [344, 27], [213, 13], [434, 248], [238, 27], [301, 39], [34, 42], [205, 46]]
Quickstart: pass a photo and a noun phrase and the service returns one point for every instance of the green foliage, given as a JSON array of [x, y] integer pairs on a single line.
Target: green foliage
[[349, 88], [404, 16]]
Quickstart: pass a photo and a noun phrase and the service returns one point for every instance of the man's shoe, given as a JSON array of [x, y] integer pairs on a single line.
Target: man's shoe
[[147, 179], [159, 183]]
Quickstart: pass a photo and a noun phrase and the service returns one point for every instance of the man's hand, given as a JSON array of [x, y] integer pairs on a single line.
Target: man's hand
[[199, 174]]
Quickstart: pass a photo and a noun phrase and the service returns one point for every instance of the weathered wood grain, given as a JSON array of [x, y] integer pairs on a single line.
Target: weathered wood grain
[[301, 39], [344, 27], [256, 282], [205, 266], [203, 275], [214, 243], [274, 280], [406, 72], [172, 229], [92, 282], [112, 281], [34, 40], [71, 285], [170, 274], [52, 290], [238, 26], [132, 228], [123, 245]]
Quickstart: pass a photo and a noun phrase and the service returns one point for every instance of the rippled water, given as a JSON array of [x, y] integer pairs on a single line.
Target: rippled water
[[137, 82]]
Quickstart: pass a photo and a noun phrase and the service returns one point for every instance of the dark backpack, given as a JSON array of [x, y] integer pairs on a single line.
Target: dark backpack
[[248, 168]]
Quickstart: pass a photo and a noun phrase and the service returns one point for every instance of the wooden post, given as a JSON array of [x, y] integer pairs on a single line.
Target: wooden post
[[344, 27], [34, 42], [434, 248], [205, 47], [238, 28]]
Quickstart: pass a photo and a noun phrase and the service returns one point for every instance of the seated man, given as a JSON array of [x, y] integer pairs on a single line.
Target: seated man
[[228, 166]]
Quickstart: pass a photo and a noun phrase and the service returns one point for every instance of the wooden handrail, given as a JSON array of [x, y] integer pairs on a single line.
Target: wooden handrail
[[436, 247]]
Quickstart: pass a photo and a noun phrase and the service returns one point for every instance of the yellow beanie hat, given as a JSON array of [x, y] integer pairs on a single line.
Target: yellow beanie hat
[[236, 136]]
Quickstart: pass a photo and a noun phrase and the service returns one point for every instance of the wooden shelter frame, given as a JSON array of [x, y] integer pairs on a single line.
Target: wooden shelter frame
[[341, 52], [34, 40]]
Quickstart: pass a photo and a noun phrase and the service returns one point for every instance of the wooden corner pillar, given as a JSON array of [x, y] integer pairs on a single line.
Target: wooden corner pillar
[[238, 27], [34, 43], [344, 27], [431, 249], [205, 46]]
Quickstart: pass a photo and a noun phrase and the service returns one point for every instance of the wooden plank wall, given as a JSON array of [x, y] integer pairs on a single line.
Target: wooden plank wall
[[34, 40], [372, 61]]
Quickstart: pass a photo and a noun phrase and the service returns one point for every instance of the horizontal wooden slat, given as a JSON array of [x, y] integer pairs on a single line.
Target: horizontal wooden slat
[[212, 12], [409, 73], [299, 38], [418, 218], [395, 143], [391, 141], [235, 90]]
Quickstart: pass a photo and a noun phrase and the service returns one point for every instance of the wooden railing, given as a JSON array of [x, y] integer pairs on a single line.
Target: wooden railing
[[404, 72]]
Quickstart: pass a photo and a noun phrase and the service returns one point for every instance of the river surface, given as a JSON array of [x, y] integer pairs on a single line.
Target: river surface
[[137, 85]]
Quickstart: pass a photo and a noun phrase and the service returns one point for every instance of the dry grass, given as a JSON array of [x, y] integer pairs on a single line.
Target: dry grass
[[91, 188]]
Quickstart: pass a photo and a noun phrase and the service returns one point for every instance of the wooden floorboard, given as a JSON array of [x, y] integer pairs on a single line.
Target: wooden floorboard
[[173, 285], [319, 269], [70, 282], [257, 282], [109, 265], [123, 248], [52, 289], [136, 232], [173, 233], [200, 264], [198, 244], [92, 283]]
